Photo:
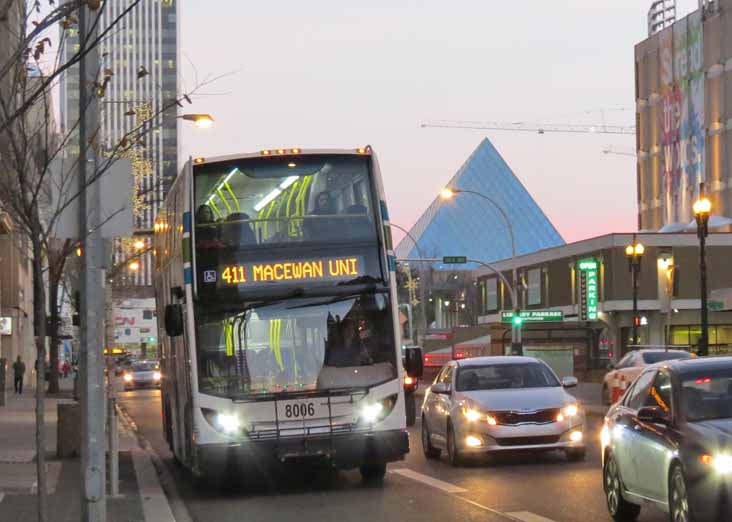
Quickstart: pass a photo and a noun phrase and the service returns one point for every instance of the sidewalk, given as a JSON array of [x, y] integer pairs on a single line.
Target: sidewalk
[[18, 467]]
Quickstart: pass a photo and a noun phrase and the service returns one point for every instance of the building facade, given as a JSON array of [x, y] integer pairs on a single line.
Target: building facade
[[683, 90], [591, 313], [141, 51]]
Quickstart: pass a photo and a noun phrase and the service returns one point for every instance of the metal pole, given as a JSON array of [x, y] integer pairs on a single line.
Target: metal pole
[[516, 342], [93, 501], [634, 269], [422, 311], [113, 446], [704, 340]]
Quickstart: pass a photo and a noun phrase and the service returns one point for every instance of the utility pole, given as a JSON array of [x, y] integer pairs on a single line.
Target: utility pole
[[93, 465]]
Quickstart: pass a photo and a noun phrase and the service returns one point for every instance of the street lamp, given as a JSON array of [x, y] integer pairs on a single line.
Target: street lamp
[[448, 193], [422, 311], [702, 210], [202, 121], [634, 252]]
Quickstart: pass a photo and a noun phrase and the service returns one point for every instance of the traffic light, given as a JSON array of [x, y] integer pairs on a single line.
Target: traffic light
[[637, 321], [517, 319]]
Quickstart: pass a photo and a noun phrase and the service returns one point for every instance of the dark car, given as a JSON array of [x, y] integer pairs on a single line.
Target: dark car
[[668, 443]]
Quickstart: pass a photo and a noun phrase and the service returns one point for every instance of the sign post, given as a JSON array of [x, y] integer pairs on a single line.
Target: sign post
[[534, 316]]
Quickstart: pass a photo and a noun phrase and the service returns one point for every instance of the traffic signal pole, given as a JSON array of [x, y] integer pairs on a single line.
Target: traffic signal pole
[[93, 465]]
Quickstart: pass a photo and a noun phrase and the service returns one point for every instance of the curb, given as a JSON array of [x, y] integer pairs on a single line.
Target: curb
[[161, 499]]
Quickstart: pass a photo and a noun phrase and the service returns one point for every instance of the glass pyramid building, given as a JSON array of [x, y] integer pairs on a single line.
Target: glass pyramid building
[[468, 225]]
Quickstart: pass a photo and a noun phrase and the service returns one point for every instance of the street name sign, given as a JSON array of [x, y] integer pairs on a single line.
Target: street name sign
[[454, 260]]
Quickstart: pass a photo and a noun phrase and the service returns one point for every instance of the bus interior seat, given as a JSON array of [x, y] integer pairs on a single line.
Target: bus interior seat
[[238, 231], [358, 220]]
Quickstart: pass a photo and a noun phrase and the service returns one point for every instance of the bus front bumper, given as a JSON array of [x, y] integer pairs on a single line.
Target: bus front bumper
[[343, 451]]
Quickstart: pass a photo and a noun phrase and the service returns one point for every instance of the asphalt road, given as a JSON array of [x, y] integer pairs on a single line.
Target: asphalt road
[[523, 488]]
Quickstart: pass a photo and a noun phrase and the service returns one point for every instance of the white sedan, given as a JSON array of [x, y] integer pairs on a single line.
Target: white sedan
[[631, 366], [497, 404]]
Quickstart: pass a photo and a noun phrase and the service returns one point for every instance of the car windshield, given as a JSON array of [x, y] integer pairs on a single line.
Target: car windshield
[[145, 367], [505, 376], [708, 395], [296, 345], [654, 357]]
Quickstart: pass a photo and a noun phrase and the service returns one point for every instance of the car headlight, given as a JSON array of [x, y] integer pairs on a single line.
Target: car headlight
[[472, 415], [127, 377], [226, 423], [157, 376], [569, 411], [375, 411], [721, 463]]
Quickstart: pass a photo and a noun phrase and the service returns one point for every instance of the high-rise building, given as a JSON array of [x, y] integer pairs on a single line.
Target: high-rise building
[[684, 120], [141, 51]]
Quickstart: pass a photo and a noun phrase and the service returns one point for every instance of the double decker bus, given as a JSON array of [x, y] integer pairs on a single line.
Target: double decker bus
[[280, 338]]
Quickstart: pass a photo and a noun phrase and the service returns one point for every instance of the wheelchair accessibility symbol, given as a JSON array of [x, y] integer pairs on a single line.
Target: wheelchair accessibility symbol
[[209, 276]]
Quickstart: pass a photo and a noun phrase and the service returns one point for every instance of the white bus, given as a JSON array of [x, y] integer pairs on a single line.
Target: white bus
[[279, 328]]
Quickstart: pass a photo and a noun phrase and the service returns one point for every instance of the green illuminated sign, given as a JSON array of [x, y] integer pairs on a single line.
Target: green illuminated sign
[[533, 316], [589, 286], [454, 260]]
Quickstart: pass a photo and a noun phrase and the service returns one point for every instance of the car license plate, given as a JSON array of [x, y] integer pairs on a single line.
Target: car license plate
[[301, 409]]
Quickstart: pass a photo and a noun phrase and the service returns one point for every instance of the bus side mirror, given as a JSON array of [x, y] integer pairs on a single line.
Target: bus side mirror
[[173, 320], [413, 363]]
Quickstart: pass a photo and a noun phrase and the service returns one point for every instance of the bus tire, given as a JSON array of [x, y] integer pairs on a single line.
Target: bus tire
[[411, 406], [373, 472]]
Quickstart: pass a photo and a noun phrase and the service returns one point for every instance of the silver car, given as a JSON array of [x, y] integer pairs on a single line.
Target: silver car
[[142, 374], [497, 404]]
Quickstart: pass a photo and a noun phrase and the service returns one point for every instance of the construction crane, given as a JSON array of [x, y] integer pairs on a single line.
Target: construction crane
[[539, 128], [618, 152]]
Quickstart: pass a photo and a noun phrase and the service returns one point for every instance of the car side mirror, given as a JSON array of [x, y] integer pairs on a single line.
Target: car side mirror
[[174, 320], [441, 388], [413, 362], [569, 382], [653, 415]]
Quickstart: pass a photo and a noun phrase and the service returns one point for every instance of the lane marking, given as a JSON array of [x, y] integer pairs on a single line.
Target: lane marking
[[429, 481], [489, 510], [526, 516]]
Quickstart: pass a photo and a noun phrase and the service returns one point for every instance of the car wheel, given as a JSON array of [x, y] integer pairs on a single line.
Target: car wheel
[[373, 472], [430, 452], [576, 454], [410, 404], [678, 497], [620, 509], [453, 453]]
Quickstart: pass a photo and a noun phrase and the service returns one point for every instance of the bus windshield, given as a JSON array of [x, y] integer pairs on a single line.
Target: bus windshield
[[296, 345], [269, 201]]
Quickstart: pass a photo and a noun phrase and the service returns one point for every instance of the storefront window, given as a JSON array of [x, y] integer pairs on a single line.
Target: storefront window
[[679, 335]]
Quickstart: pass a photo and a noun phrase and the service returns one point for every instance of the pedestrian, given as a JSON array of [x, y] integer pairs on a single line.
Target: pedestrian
[[66, 368], [18, 373]]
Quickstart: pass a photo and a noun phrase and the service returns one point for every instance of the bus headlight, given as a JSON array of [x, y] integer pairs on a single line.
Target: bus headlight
[[372, 412], [225, 423]]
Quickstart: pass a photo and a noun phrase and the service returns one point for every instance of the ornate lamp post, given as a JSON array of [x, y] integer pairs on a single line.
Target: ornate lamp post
[[634, 253], [702, 210]]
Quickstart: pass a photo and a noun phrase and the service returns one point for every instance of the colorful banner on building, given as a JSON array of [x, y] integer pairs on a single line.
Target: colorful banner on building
[[681, 50]]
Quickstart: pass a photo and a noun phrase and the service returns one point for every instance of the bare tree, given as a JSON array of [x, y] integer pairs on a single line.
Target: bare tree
[[38, 176]]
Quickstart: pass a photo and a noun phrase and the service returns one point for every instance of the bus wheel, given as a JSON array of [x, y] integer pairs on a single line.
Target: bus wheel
[[373, 472]]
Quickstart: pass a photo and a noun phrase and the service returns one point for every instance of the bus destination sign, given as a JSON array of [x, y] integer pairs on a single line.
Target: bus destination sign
[[323, 269]]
